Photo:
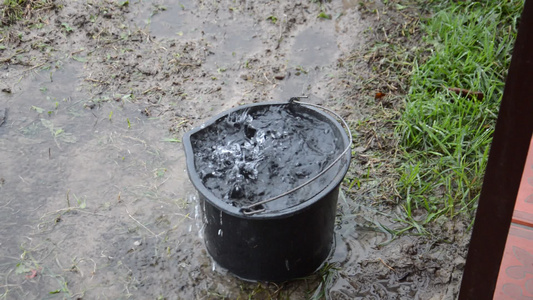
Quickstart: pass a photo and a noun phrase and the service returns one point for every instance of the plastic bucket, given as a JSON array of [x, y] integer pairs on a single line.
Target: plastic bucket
[[262, 243]]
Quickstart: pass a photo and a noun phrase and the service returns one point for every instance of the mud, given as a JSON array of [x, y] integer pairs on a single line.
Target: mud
[[94, 197], [259, 153]]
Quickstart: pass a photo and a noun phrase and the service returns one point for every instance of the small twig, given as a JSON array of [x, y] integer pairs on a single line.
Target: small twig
[[280, 38], [385, 33], [94, 268], [6, 59], [159, 185], [67, 107], [467, 93], [184, 216], [264, 74], [6, 204], [34, 67], [136, 139], [151, 89], [71, 209], [23, 180], [77, 51], [96, 81], [164, 111], [381, 260], [140, 223]]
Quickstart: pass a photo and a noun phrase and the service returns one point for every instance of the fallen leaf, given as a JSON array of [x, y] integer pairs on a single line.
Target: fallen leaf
[[379, 95]]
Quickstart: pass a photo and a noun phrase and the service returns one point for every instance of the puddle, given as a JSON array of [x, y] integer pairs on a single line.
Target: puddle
[[167, 19], [96, 203], [314, 47], [94, 198], [233, 42], [313, 52], [77, 176]]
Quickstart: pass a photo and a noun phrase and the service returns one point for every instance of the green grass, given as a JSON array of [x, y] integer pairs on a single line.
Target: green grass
[[13, 10], [445, 137]]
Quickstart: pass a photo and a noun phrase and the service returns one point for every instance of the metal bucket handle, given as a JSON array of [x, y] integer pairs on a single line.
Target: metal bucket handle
[[249, 210]]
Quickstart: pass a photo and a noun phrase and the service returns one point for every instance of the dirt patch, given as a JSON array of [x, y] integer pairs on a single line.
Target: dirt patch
[[95, 201]]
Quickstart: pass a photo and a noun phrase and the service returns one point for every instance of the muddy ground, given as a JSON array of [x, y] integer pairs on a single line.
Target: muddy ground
[[95, 96]]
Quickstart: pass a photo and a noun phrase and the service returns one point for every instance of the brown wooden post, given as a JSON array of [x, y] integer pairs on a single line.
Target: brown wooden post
[[504, 169]]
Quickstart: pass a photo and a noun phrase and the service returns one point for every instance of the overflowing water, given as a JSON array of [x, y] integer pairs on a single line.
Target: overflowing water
[[258, 153]]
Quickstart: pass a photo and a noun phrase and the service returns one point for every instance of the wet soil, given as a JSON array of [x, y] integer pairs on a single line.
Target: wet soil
[[94, 99]]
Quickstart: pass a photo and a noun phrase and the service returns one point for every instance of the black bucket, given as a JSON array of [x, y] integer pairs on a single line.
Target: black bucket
[[261, 240]]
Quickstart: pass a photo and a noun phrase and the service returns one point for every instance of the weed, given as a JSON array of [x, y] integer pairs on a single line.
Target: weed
[[37, 109], [171, 140], [14, 10], [82, 201], [157, 9], [323, 15], [67, 27], [160, 172], [326, 275], [273, 19], [58, 133], [300, 70], [79, 59]]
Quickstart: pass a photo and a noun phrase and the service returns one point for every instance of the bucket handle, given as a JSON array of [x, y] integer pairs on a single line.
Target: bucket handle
[[259, 207]]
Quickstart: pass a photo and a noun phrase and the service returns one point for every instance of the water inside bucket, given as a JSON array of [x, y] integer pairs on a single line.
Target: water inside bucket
[[257, 153]]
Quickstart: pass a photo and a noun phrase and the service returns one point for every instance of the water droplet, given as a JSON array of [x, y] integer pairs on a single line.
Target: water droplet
[[220, 233]]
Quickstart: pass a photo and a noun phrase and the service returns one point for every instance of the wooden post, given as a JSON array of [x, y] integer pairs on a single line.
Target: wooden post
[[507, 157]]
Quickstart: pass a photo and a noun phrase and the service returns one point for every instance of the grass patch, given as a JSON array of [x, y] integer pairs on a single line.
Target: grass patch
[[445, 131], [14, 10]]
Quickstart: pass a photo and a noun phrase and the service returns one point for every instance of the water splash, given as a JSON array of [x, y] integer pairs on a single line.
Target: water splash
[[253, 155]]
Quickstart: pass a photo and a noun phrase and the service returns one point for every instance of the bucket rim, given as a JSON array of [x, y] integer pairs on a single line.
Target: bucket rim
[[236, 211]]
